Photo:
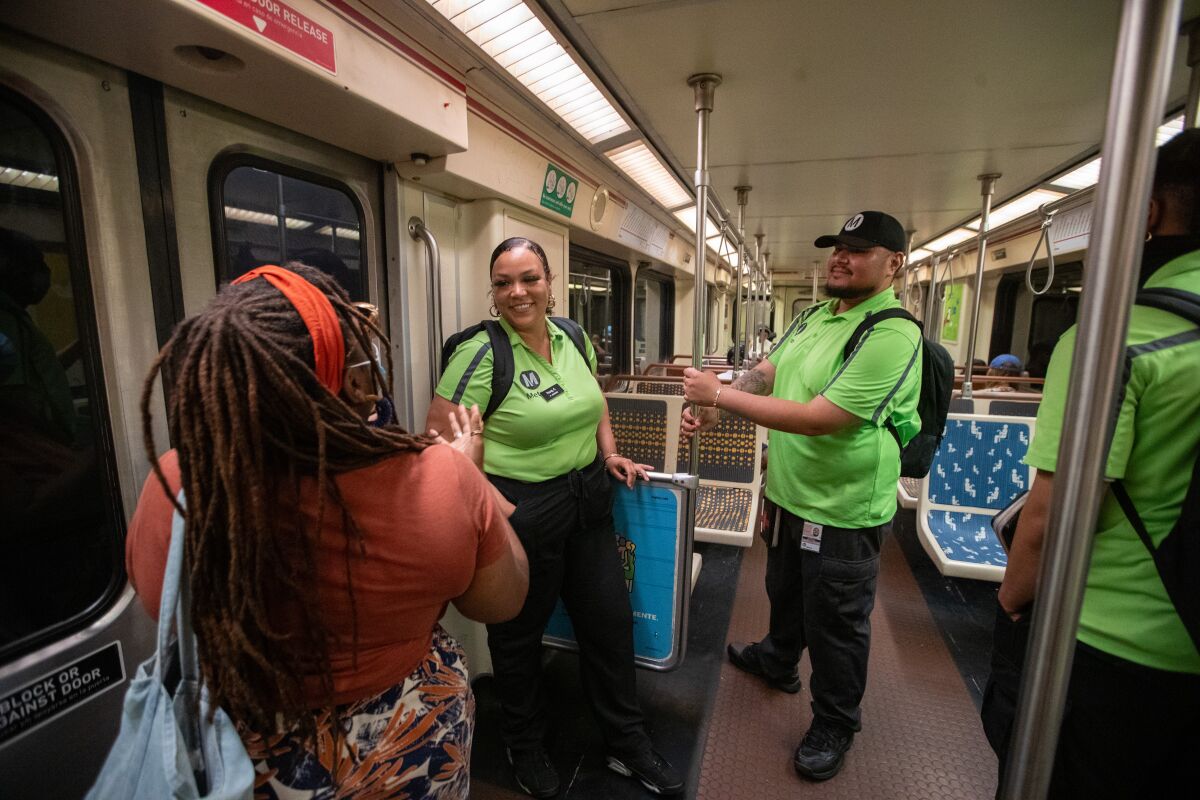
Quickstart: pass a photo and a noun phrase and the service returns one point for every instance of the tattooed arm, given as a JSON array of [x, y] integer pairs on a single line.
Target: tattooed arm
[[758, 381], [815, 418]]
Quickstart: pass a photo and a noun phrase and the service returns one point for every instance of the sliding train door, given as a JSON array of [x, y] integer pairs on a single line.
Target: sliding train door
[[76, 334]]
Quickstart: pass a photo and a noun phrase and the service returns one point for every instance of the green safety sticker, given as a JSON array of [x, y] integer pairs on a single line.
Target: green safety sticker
[[559, 190]]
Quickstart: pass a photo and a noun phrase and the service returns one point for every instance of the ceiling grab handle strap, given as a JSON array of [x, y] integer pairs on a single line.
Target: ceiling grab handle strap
[[1047, 224]]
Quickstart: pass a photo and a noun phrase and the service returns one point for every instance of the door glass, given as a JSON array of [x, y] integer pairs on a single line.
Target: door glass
[[272, 218], [60, 532], [592, 306], [653, 305]]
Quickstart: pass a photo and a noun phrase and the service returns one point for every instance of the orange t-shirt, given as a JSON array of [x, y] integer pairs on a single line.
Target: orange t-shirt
[[428, 522]]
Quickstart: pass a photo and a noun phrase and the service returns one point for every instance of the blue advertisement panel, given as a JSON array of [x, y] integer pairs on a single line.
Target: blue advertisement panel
[[649, 525]]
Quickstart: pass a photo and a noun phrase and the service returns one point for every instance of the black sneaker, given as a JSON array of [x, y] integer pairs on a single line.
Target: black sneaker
[[649, 767], [745, 657], [535, 774], [822, 752]]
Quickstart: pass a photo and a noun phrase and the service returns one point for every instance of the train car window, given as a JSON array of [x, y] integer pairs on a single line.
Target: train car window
[[596, 298], [60, 512], [267, 213], [653, 318]]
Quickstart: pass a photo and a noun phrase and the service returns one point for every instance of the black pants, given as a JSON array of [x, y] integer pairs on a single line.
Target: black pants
[[1128, 731], [823, 601], [566, 526]]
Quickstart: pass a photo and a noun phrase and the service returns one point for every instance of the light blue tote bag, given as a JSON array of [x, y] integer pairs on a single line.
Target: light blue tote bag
[[163, 751]]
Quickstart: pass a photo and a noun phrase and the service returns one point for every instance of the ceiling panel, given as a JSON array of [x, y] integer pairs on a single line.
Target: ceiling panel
[[827, 109]]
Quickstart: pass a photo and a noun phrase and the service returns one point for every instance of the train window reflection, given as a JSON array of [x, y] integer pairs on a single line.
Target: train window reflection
[[597, 295], [653, 318], [59, 515], [269, 216]]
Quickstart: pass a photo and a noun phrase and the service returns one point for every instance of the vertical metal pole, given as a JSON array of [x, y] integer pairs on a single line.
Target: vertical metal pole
[[1139, 85], [908, 243], [739, 356], [987, 186], [1192, 31], [704, 86], [752, 294], [816, 278], [929, 303], [418, 231], [764, 319]]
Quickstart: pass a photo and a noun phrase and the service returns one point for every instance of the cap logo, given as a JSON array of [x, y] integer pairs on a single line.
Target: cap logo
[[853, 222]]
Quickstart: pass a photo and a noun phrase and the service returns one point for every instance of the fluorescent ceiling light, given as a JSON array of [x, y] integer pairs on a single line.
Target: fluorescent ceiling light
[[918, 254], [1168, 130], [688, 217], [263, 218], [1081, 177], [1018, 207], [11, 176], [641, 164], [956, 236], [344, 233], [510, 32]]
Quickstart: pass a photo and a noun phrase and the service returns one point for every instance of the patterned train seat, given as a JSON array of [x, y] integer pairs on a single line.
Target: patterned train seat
[[640, 428], [977, 472]]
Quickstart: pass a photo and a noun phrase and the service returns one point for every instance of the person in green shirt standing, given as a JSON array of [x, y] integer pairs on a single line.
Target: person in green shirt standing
[[832, 477], [1129, 729], [550, 451]]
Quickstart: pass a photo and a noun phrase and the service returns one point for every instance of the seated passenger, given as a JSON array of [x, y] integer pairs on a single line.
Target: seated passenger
[[551, 451], [322, 550], [1003, 366]]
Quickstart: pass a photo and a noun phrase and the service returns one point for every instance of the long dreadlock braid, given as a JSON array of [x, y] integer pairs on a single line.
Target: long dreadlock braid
[[251, 421]]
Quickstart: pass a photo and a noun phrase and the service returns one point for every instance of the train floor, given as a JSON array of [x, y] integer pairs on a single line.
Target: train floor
[[733, 737]]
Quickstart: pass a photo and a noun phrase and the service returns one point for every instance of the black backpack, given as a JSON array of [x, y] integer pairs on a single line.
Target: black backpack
[[502, 358], [1177, 557], [937, 384]]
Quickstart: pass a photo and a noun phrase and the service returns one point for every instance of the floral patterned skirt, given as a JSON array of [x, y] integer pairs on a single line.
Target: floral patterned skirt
[[410, 741]]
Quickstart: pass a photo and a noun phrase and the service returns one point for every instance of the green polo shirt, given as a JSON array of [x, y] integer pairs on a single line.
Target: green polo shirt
[[1126, 611], [846, 479], [529, 437]]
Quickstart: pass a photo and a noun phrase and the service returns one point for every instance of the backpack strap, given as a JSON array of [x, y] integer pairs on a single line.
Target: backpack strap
[[575, 333], [869, 321], [1175, 301], [502, 365]]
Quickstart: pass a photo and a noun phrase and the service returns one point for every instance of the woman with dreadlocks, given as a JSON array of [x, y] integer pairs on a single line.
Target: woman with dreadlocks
[[322, 550]]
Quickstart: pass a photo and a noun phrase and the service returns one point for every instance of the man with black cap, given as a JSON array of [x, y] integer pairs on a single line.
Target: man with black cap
[[831, 488]]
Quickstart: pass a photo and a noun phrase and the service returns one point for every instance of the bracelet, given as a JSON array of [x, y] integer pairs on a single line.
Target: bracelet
[[610, 455], [717, 396]]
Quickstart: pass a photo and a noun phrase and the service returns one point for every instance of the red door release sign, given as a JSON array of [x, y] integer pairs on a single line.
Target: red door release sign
[[283, 25]]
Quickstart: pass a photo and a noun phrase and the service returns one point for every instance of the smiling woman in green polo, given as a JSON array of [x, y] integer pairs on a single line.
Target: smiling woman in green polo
[[549, 449]]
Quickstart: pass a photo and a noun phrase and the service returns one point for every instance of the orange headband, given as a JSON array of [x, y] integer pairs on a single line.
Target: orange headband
[[329, 348]]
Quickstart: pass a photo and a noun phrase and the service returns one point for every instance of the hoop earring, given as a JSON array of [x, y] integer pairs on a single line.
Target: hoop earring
[[493, 310], [1149, 236], [550, 304]]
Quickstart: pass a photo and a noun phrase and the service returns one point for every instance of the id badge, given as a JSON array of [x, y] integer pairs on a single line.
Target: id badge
[[810, 537]]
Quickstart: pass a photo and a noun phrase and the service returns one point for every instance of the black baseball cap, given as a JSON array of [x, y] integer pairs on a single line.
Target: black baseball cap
[[868, 229]]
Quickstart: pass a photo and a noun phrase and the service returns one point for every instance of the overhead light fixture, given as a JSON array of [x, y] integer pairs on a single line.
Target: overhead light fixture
[[342, 233], [918, 254], [1081, 177], [513, 35], [643, 166], [25, 179], [263, 218], [1018, 207], [956, 236]]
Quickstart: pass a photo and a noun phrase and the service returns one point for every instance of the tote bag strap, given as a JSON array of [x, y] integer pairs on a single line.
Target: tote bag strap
[[169, 601], [176, 604]]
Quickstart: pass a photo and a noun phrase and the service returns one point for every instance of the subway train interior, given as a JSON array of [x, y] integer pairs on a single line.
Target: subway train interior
[[155, 150]]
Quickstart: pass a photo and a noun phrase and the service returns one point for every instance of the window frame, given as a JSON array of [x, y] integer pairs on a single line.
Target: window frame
[[621, 305], [218, 173], [87, 326]]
